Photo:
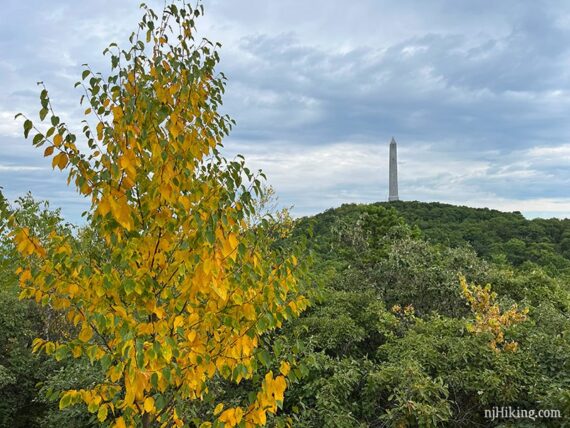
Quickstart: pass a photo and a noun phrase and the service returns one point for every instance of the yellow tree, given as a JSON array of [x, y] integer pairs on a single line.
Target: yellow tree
[[184, 283], [489, 318]]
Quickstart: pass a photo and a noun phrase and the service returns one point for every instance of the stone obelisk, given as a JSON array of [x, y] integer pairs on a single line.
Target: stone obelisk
[[393, 185]]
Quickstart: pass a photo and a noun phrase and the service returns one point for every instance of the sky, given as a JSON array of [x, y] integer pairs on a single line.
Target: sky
[[476, 93]]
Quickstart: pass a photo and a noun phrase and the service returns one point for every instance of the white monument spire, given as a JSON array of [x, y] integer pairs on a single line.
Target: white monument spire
[[393, 185]]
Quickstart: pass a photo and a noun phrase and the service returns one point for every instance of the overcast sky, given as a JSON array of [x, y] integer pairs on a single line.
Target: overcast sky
[[476, 93]]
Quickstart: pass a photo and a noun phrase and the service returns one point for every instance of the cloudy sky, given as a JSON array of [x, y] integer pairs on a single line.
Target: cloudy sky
[[477, 94]]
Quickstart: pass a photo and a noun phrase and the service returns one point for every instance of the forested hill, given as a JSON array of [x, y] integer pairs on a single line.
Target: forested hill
[[397, 341], [493, 234], [393, 338]]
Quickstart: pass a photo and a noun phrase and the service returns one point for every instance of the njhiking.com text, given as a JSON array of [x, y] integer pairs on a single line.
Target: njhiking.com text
[[508, 412]]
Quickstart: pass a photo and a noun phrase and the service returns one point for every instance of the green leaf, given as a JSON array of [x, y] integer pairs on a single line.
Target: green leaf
[[166, 373], [85, 74], [159, 402], [27, 127], [154, 380], [61, 353], [129, 286], [43, 113], [210, 235], [140, 354], [105, 362], [38, 138], [264, 357]]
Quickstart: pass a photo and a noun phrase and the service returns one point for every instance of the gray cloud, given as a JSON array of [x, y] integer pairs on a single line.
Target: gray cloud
[[476, 94]]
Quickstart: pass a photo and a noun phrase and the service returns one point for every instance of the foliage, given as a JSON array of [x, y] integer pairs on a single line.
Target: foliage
[[493, 234], [22, 321], [386, 344], [426, 276], [181, 283], [488, 315], [408, 395], [418, 363]]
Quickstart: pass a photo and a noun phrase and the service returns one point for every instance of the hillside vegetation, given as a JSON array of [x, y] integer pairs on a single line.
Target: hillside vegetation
[[494, 235], [395, 341], [402, 332]]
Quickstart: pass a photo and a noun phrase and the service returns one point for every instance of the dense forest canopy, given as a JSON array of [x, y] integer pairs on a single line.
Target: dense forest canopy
[[392, 338], [493, 234]]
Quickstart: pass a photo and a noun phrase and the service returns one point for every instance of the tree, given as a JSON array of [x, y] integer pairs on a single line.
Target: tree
[[488, 315], [182, 284], [22, 321]]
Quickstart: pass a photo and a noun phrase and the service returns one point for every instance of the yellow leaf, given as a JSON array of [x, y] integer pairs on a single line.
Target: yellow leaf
[[73, 290], [207, 266], [62, 163], [66, 398], [233, 241], [122, 215], [85, 189], [76, 351], [284, 368], [178, 321], [25, 276], [57, 140], [145, 328], [120, 423], [55, 160], [218, 409], [249, 311], [222, 292], [160, 312], [232, 417], [59, 160], [104, 206], [37, 344], [117, 112], [86, 333], [149, 405], [50, 348], [166, 351], [100, 127], [102, 413], [173, 89]]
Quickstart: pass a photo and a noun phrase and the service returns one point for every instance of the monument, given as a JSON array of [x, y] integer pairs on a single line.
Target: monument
[[393, 184]]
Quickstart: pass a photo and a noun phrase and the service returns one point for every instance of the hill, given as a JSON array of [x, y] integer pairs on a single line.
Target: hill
[[396, 340], [493, 234]]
